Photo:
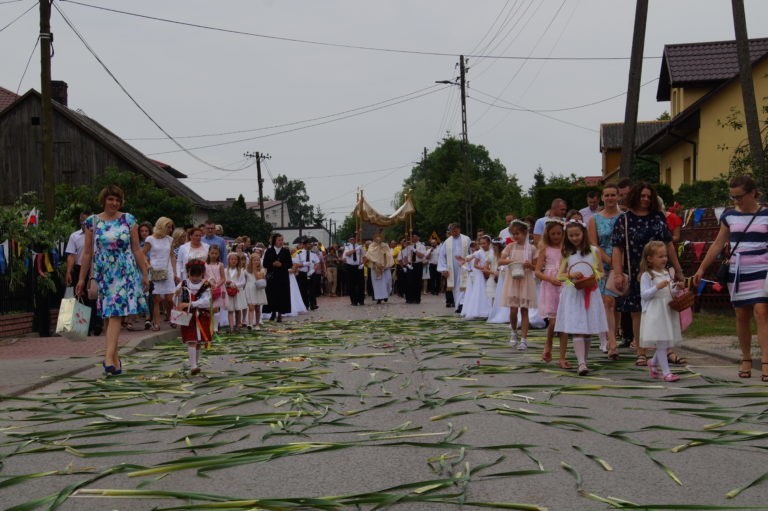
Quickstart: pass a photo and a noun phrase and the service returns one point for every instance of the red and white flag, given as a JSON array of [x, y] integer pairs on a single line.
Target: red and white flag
[[31, 217]]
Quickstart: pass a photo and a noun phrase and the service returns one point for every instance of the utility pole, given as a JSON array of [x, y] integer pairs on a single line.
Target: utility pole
[[464, 146], [46, 117], [633, 90], [259, 156], [748, 93]]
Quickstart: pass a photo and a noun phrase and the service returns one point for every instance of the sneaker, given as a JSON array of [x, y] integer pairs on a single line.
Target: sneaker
[[513, 339], [583, 370], [523, 345]]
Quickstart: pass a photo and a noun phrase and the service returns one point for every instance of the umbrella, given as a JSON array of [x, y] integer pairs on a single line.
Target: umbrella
[[305, 239]]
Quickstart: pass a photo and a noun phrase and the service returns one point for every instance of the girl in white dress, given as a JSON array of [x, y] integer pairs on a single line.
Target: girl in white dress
[[297, 304], [580, 311], [498, 313], [477, 303], [659, 324], [235, 299], [255, 291]]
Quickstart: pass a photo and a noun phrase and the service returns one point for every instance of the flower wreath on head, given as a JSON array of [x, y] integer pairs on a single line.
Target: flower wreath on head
[[573, 221], [552, 220]]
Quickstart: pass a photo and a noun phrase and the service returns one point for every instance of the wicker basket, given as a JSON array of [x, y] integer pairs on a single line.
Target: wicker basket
[[587, 281], [682, 301]]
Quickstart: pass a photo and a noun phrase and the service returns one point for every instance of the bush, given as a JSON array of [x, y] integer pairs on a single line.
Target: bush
[[702, 194]]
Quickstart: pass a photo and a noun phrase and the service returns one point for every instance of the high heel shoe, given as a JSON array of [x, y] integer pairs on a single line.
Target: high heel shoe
[[748, 372], [107, 369], [119, 369]]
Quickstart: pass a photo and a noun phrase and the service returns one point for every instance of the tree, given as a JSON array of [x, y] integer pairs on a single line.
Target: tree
[[294, 193], [238, 220], [143, 199], [438, 184]]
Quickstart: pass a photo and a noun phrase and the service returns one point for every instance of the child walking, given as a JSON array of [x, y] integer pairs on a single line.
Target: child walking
[[547, 269], [194, 296], [659, 324], [580, 311], [214, 274], [519, 285], [235, 299], [255, 291]]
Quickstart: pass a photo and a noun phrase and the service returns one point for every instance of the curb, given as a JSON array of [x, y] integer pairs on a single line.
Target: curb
[[132, 346]]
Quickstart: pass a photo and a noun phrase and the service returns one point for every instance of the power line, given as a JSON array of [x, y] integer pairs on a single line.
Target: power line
[[536, 113], [125, 91], [339, 45], [251, 130], [564, 109], [307, 126], [37, 41], [17, 18], [479, 44]]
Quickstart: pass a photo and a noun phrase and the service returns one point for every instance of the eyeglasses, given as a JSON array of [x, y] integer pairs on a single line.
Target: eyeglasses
[[737, 197]]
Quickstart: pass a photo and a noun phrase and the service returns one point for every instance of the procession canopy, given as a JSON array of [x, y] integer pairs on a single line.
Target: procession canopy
[[365, 212]]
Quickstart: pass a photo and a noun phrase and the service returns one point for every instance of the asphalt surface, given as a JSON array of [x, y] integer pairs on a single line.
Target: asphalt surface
[[402, 399]]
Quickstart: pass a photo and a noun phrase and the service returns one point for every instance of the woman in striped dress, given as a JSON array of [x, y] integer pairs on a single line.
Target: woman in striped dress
[[749, 261]]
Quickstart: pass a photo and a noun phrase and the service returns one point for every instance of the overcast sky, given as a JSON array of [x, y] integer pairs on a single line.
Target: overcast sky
[[228, 90]]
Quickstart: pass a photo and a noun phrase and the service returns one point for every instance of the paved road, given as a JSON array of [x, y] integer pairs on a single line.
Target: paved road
[[384, 402]]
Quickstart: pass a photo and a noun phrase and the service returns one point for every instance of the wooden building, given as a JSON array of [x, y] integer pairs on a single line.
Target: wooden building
[[83, 149]]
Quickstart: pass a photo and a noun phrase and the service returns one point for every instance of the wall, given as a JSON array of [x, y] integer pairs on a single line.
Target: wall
[[674, 158], [714, 161]]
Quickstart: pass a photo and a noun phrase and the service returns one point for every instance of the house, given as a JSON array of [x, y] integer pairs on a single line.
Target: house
[[275, 211], [83, 148], [611, 138], [701, 83]]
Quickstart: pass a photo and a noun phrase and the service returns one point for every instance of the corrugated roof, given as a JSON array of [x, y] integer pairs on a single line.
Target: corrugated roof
[[704, 64], [611, 134], [6, 98]]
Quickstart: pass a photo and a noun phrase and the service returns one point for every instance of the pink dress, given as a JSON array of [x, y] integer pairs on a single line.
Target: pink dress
[[213, 274], [549, 294], [519, 292]]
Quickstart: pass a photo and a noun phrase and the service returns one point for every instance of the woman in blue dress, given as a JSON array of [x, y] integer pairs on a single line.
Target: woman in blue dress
[[119, 267], [600, 229]]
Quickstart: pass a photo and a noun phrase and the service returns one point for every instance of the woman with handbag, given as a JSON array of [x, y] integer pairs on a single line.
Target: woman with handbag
[[157, 248], [600, 229], [642, 222], [119, 268], [745, 230]]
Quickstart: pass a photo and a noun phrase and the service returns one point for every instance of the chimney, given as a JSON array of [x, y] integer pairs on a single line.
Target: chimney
[[59, 91]]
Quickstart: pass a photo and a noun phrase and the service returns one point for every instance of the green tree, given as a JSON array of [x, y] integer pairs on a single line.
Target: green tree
[[438, 185], [238, 220], [143, 199], [294, 193]]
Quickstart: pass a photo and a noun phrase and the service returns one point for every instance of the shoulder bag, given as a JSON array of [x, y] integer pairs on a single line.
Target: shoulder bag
[[93, 285], [610, 283], [721, 276]]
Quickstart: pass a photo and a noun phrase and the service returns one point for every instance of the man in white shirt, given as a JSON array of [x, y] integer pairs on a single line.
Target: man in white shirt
[[557, 210], [593, 206], [74, 252], [353, 259], [453, 251], [504, 233], [412, 259], [433, 253], [308, 261]]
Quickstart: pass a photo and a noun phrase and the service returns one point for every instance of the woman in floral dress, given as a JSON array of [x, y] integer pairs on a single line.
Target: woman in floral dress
[[119, 267]]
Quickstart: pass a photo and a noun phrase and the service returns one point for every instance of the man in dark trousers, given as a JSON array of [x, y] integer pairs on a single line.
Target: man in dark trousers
[[353, 267], [74, 251], [412, 260], [308, 261]]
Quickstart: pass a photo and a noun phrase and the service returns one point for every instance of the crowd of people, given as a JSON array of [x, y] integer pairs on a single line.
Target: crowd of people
[[606, 271]]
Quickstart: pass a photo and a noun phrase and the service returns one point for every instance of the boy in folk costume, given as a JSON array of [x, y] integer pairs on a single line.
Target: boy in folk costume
[[194, 296]]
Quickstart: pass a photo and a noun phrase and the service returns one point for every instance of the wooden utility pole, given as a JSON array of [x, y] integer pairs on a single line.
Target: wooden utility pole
[[259, 156], [464, 146], [748, 93], [46, 117], [633, 90]]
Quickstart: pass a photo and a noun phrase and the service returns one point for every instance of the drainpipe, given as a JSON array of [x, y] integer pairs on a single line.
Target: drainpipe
[[694, 157]]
